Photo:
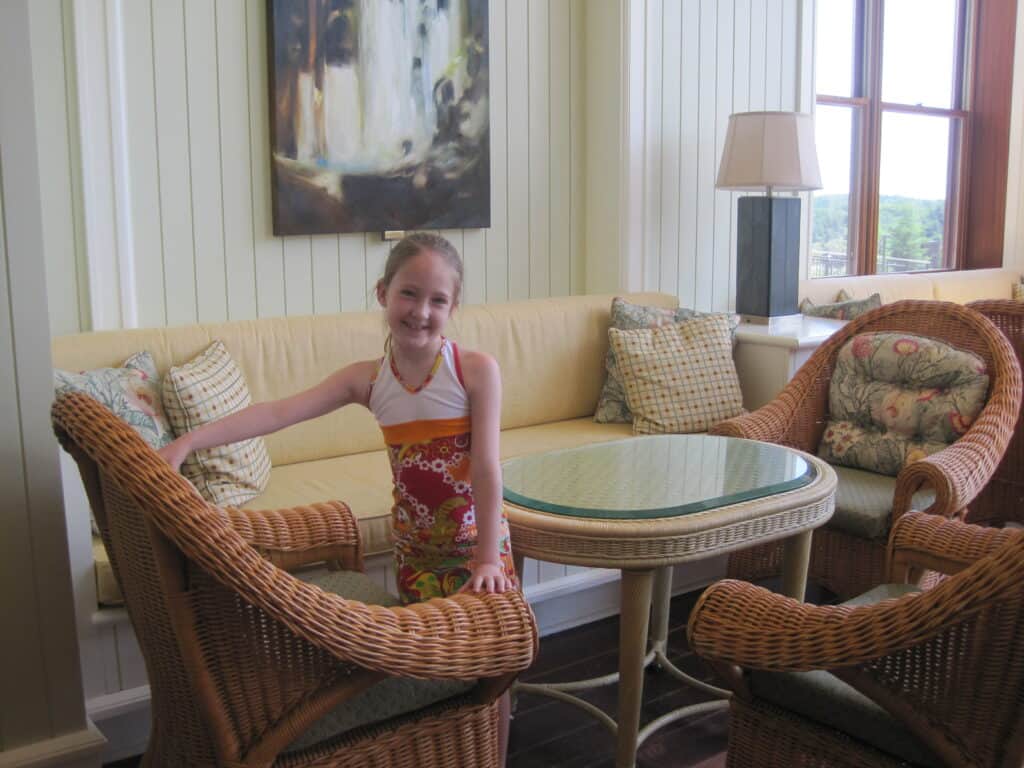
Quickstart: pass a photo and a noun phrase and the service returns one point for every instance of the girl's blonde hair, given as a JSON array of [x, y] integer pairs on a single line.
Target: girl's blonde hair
[[409, 246]]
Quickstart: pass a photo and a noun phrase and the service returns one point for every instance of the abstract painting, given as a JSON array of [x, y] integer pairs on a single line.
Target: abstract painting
[[379, 115]]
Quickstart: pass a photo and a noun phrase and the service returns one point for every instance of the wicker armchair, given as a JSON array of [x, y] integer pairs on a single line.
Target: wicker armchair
[[244, 659], [844, 561], [1002, 500], [932, 678]]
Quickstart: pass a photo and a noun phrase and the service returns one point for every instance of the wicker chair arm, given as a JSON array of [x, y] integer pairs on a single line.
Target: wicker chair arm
[[738, 623], [302, 535], [920, 540], [959, 472]]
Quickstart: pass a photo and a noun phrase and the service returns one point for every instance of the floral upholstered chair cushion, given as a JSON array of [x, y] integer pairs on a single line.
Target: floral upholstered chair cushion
[[612, 406], [896, 398]]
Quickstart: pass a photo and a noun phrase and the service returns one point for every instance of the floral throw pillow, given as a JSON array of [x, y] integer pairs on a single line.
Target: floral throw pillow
[[844, 308], [612, 406], [131, 392], [895, 398]]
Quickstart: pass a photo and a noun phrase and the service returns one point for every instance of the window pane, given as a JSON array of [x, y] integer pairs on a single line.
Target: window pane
[[831, 246], [912, 186], [918, 52], [834, 66]]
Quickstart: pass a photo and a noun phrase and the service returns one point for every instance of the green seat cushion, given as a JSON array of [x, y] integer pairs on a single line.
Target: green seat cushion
[[387, 699], [864, 502], [825, 699]]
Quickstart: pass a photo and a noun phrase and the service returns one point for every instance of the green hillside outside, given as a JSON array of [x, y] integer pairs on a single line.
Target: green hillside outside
[[909, 234]]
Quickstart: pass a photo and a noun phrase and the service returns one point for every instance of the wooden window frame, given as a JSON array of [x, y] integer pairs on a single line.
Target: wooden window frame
[[979, 134]]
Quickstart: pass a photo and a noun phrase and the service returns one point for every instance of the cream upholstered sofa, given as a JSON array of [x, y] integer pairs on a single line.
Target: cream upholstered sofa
[[956, 286], [551, 353]]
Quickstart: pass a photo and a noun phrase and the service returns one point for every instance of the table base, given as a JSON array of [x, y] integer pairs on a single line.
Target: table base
[[659, 603]]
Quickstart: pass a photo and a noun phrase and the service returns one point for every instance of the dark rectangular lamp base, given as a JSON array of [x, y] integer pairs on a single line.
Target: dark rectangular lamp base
[[767, 256]]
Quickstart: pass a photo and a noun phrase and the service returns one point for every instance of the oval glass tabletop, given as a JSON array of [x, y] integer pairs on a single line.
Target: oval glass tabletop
[[654, 476]]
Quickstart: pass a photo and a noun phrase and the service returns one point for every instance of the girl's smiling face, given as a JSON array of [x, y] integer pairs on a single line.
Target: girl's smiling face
[[419, 300]]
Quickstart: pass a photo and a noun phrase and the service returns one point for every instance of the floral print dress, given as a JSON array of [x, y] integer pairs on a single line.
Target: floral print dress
[[427, 432]]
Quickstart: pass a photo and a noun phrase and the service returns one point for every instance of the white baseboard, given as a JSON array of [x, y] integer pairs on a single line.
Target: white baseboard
[[80, 749], [558, 604]]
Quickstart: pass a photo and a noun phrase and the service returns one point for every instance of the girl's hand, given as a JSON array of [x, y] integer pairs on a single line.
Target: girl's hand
[[175, 453], [487, 577]]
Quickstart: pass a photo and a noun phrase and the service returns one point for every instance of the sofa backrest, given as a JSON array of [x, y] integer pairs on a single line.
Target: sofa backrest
[[958, 286], [551, 353]]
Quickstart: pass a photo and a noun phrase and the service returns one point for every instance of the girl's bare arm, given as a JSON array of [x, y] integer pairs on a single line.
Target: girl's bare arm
[[483, 385], [348, 385]]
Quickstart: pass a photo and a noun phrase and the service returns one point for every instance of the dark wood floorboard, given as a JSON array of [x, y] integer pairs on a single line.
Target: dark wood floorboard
[[547, 733]]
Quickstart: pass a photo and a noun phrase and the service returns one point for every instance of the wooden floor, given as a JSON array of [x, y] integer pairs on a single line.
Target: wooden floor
[[546, 732]]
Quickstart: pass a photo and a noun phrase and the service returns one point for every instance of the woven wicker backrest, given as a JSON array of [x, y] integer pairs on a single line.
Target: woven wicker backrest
[[958, 682], [952, 323], [143, 563], [1002, 498]]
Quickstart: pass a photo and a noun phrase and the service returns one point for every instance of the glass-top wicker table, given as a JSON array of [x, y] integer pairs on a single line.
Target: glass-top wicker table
[[645, 504]]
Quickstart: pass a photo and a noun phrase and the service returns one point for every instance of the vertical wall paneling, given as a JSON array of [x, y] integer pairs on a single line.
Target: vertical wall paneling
[[298, 275], [352, 273], [171, 106], [326, 277], [577, 189], [655, 157], [722, 279], [235, 169], [517, 46], [496, 237], [204, 140], [633, 133], [539, 148], [559, 170], [376, 256], [704, 60], [707, 162], [268, 251], [474, 257], [689, 140], [669, 29], [758, 55], [142, 163], [60, 235]]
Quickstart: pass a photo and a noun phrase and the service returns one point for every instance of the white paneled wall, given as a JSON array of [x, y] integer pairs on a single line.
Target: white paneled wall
[[702, 61], [169, 98]]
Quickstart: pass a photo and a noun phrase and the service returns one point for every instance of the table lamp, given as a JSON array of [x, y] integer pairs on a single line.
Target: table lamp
[[773, 151]]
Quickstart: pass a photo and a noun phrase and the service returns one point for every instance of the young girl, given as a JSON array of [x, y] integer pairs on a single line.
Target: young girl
[[438, 407]]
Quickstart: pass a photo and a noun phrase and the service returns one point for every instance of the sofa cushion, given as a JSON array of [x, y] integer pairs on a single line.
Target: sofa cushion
[[203, 390], [864, 502], [679, 377], [626, 316], [895, 398], [387, 699]]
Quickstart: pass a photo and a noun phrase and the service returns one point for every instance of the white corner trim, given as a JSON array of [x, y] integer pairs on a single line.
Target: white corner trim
[[1012, 253], [102, 161], [632, 82], [123, 220], [79, 749]]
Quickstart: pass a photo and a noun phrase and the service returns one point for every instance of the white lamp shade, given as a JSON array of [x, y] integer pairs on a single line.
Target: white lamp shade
[[769, 149]]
